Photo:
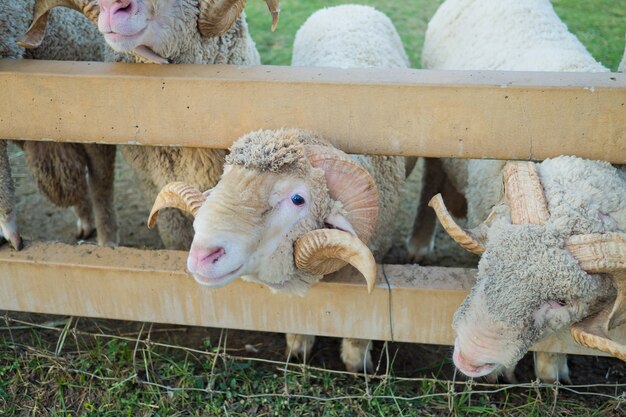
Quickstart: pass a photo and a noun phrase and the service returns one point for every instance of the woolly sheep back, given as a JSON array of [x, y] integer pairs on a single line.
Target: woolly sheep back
[[322, 43]]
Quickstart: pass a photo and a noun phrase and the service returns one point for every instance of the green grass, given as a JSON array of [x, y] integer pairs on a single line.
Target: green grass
[[79, 371], [599, 24]]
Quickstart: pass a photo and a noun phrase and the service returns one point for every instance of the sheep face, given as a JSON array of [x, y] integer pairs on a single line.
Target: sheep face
[[148, 24], [528, 285], [250, 222], [268, 217]]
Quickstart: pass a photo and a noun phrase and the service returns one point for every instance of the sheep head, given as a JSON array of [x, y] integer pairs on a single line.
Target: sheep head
[[288, 209], [145, 28], [519, 297]]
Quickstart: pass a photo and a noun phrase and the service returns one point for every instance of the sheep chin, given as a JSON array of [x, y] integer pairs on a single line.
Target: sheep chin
[[149, 55]]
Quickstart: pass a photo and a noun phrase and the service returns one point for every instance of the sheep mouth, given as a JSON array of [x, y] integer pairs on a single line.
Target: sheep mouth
[[123, 38], [216, 282], [469, 369]]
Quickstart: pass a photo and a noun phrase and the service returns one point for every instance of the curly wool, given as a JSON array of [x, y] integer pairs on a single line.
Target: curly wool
[[280, 151]]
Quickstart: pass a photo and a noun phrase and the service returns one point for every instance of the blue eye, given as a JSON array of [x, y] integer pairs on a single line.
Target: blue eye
[[297, 199]]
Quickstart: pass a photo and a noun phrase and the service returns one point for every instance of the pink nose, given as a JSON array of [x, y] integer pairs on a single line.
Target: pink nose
[[117, 6], [200, 258]]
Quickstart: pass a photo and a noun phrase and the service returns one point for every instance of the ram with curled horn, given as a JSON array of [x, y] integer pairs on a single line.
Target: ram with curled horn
[[553, 258], [283, 192], [289, 209], [135, 27]]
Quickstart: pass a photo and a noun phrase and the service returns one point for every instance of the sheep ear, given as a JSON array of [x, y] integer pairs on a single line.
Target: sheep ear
[[37, 30], [339, 222]]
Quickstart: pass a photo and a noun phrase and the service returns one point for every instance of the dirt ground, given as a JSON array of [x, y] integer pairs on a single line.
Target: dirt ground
[[40, 220]]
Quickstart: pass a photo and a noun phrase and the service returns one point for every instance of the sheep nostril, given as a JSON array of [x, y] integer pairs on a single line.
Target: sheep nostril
[[213, 256]]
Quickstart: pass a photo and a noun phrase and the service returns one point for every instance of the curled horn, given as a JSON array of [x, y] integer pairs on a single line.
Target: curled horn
[[177, 195], [602, 254], [217, 16], [274, 9], [472, 240], [323, 251], [524, 193], [35, 33], [349, 183]]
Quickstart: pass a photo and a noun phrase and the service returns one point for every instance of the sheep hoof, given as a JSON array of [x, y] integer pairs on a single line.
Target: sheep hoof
[[85, 230], [8, 233], [299, 346], [356, 355]]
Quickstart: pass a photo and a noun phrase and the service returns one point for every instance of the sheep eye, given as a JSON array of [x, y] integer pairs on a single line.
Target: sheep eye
[[297, 199]]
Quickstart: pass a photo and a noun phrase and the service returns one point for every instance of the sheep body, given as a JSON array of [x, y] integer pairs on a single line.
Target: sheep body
[[60, 170], [505, 35], [349, 36]]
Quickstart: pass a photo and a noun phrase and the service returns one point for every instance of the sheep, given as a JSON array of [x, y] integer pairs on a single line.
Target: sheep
[[561, 222], [60, 170], [281, 173], [271, 217], [190, 32], [515, 36]]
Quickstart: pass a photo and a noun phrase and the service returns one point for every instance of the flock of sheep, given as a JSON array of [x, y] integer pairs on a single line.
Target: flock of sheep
[[285, 207]]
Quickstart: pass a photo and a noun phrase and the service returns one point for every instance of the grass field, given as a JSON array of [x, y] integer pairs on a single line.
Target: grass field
[[56, 366]]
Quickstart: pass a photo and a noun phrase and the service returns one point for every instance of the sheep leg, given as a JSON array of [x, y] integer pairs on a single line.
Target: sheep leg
[[552, 367], [356, 355], [60, 171], [101, 177], [8, 217], [299, 345]]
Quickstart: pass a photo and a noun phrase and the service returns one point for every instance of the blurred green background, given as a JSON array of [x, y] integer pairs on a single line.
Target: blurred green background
[[599, 24]]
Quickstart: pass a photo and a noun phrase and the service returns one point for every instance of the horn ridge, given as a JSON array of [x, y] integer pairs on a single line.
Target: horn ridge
[[524, 193], [178, 195], [472, 240], [217, 16], [323, 251], [35, 33]]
